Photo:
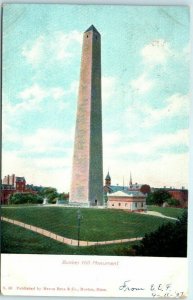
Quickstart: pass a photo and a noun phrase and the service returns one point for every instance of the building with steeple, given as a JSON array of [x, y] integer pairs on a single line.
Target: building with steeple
[[130, 198], [109, 188], [87, 170]]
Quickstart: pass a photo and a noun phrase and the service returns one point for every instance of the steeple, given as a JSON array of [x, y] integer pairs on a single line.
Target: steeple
[[108, 176], [130, 182], [108, 179]]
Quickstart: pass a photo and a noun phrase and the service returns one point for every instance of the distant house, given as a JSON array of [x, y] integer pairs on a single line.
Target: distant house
[[128, 200]]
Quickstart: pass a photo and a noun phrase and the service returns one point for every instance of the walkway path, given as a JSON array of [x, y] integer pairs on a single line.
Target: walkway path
[[156, 214], [65, 240]]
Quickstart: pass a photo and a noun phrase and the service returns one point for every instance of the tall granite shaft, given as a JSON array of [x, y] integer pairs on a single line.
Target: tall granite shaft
[[87, 172]]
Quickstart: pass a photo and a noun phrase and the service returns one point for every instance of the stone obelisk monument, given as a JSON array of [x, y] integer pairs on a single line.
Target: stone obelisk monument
[[87, 171]]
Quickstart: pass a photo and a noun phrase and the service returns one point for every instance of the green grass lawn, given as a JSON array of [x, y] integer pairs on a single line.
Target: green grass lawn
[[96, 224], [167, 211], [16, 239]]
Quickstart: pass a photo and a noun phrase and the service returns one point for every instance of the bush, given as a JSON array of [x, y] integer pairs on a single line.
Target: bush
[[25, 198], [169, 240], [158, 197], [173, 202]]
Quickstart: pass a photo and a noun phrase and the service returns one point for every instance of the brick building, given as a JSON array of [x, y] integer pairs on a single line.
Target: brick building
[[13, 184], [6, 191], [179, 194]]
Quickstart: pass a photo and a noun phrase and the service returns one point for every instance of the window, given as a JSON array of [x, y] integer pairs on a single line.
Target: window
[[142, 204], [112, 204], [135, 204], [125, 204], [119, 204]]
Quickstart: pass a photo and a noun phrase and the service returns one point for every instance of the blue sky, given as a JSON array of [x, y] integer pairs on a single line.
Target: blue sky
[[145, 91]]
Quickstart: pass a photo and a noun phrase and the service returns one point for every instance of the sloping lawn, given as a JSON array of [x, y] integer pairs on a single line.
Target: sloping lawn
[[167, 211], [96, 224], [19, 240]]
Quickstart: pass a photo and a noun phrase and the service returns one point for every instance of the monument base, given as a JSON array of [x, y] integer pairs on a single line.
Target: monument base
[[79, 204]]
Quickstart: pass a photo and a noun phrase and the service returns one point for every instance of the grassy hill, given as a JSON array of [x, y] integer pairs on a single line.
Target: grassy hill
[[96, 224], [167, 211], [16, 239]]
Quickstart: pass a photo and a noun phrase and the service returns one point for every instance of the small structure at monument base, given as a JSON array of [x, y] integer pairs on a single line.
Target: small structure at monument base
[[78, 204], [128, 200], [45, 201], [85, 204]]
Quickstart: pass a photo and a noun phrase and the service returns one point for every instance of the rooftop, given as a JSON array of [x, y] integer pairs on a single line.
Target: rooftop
[[108, 177], [92, 28], [20, 179], [126, 194]]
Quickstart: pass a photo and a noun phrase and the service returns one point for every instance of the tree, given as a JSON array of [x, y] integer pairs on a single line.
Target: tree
[[169, 240], [25, 198], [173, 202], [158, 197], [64, 197], [50, 193]]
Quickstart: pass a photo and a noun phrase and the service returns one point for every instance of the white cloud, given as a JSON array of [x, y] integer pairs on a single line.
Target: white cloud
[[34, 53], [111, 140], [112, 137], [142, 84], [63, 42], [186, 53], [50, 170], [46, 140], [57, 93], [59, 47], [36, 93], [117, 146], [138, 116], [176, 105], [169, 170], [43, 140], [46, 171], [178, 138], [73, 88], [109, 88], [44, 157], [160, 162], [157, 52], [156, 166], [32, 98], [159, 143]]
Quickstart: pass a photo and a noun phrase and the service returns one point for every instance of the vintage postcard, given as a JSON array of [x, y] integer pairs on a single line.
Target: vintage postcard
[[95, 147]]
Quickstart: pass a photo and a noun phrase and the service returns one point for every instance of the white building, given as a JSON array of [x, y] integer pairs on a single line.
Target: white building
[[129, 200]]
